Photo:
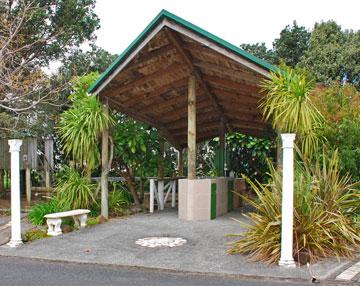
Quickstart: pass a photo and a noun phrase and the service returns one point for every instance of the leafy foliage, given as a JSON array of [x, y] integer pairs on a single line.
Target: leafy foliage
[[53, 26], [288, 103], [38, 211], [119, 202], [259, 50], [333, 54], [136, 146], [245, 155], [74, 191], [289, 48], [80, 63], [324, 201], [248, 155], [33, 34], [81, 125], [292, 44], [34, 234], [340, 106]]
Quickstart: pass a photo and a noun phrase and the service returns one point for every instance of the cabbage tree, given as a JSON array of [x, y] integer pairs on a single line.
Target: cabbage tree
[[288, 104]]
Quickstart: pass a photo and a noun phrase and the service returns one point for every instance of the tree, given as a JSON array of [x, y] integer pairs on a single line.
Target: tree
[[79, 63], [33, 33], [340, 106], [138, 152], [289, 105], [292, 44], [333, 54], [81, 125], [259, 50]]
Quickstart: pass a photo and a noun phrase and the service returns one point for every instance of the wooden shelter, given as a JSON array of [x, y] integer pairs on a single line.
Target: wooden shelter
[[187, 83]]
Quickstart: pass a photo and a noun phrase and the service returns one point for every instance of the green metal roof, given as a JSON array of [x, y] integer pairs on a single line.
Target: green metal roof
[[165, 14]]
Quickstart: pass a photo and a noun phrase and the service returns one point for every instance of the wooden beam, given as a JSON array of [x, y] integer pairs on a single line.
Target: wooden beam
[[142, 60], [132, 55], [177, 42], [230, 84], [181, 162], [174, 67], [133, 99], [192, 128], [147, 120], [215, 47], [238, 76], [200, 118]]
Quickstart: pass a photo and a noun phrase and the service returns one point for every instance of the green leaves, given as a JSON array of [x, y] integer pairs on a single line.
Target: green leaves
[[136, 144], [74, 191], [288, 104], [79, 129], [323, 205]]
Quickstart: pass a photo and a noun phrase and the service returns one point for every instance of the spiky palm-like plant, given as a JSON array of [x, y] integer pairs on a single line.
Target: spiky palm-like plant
[[79, 129], [288, 104], [323, 205]]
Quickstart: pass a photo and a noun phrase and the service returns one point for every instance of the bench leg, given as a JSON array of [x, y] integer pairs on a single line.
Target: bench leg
[[54, 226], [80, 220]]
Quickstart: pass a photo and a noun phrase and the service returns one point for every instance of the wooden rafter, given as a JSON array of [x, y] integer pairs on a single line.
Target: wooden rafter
[[148, 120], [173, 67], [177, 42]]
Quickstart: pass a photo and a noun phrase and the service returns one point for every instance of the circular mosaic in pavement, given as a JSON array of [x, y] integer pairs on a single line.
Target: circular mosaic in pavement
[[160, 241]]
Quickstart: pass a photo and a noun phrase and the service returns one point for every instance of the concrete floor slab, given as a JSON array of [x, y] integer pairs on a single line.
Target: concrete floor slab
[[113, 243]]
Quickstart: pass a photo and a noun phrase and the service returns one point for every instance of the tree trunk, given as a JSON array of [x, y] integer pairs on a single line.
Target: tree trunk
[[132, 186]]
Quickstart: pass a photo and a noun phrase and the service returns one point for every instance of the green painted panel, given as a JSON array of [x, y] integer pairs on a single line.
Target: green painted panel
[[230, 195], [213, 201], [219, 162]]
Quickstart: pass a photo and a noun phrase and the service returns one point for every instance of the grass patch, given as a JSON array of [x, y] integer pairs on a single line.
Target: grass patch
[[34, 234]]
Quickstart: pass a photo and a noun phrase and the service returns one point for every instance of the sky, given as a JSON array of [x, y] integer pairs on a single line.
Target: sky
[[238, 21]]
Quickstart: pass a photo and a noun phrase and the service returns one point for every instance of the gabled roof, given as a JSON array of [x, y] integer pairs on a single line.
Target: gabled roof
[[149, 82], [164, 14]]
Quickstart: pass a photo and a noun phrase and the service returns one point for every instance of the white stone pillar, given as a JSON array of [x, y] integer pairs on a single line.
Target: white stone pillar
[[15, 193], [287, 206]]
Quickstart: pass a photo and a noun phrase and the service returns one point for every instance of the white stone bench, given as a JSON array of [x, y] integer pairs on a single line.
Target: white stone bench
[[54, 220]]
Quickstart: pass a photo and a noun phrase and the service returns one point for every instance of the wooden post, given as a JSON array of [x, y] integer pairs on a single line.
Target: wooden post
[[105, 169], [222, 148], [181, 163], [49, 161], [2, 184], [161, 159], [28, 183], [192, 128]]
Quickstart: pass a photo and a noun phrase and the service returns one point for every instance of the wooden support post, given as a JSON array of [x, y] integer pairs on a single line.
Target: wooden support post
[[161, 158], [28, 184], [152, 195], [2, 184], [192, 128], [181, 162], [222, 148], [173, 194], [48, 162], [105, 169]]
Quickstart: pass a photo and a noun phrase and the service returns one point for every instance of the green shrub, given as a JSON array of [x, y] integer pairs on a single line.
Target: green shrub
[[324, 202], [74, 191], [38, 211], [95, 209], [34, 234], [119, 202], [92, 221]]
